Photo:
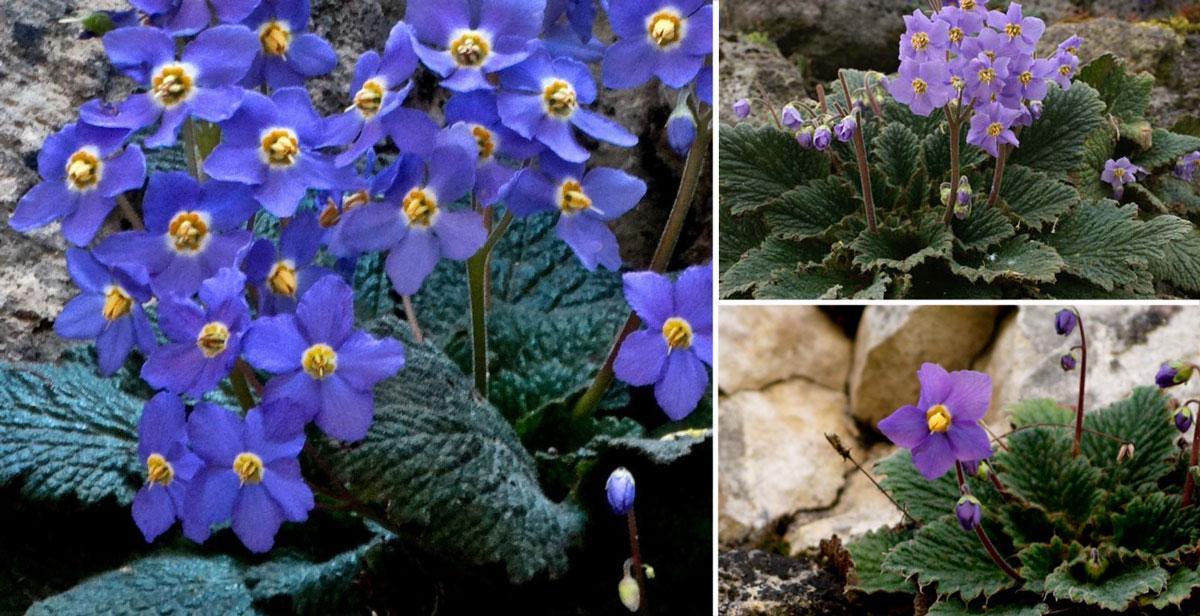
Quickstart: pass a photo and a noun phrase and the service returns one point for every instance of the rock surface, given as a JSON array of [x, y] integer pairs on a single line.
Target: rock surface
[[861, 508], [1141, 46], [754, 71], [761, 345], [893, 342], [1126, 345], [774, 459], [757, 583]]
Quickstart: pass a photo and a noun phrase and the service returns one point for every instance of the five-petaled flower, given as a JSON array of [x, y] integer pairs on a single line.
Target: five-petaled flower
[[108, 309], [170, 466], [1120, 172], [466, 41], [182, 17], [282, 275], [287, 55], [668, 39]]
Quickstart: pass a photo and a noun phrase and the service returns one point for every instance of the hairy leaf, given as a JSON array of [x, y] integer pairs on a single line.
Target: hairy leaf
[[372, 287], [739, 235], [758, 164], [1155, 524], [1142, 419], [1054, 143], [868, 553], [1123, 582], [1180, 585], [759, 266], [951, 606], [902, 247], [1029, 412], [1039, 467], [944, 553], [983, 228], [925, 500], [1168, 147], [1018, 259], [308, 587], [831, 279], [898, 152], [810, 210], [1034, 197], [1040, 559], [1180, 263], [1126, 96]]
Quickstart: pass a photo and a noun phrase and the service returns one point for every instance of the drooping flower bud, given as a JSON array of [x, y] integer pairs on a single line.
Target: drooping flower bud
[[846, 128], [968, 512], [1173, 373], [804, 137], [1064, 322], [628, 591], [822, 137], [1067, 362], [1183, 419], [681, 127], [791, 118], [1125, 452], [741, 108], [620, 490]]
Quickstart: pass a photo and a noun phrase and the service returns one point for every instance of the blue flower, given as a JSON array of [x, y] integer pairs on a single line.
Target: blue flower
[[108, 309], [621, 490], [202, 83], [191, 16], [324, 368], [494, 140], [204, 342], [668, 39], [83, 170], [192, 231], [170, 466], [586, 202], [246, 478], [1174, 373], [968, 511], [287, 55], [543, 97], [270, 144], [681, 129], [464, 40], [671, 352], [1065, 321], [281, 276]]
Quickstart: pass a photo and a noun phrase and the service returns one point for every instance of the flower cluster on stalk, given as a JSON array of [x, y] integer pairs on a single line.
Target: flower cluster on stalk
[[226, 79]]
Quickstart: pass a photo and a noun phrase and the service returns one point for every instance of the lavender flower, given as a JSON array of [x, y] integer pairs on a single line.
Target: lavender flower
[[1120, 172], [944, 425], [184, 17], [1065, 66], [791, 117], [495, 141], [620, 490], [283, 275], [822, 138], [1021, 32], [968, 512], [1174, 373], [108, 309], [804, 137], [681, 129], [991, 126], [846, 129], [1183, 419], [463, 43], [923, 87], [170, 466], [1185, 169], [741, 108], [671, 352], [923, 39], [1065, 321], [1067, 362], [287, 55], [668, 39]]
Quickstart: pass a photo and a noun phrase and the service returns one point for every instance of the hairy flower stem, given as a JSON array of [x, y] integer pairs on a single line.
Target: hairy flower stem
[[982, 534], [693, 169], [635, 554], [1082, 377], [860, 155], [410, 314], [998, 176], [477, 278], [955, 168], [836, 443]]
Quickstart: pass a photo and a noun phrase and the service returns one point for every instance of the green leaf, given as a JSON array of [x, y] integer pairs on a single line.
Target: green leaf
[[1018, 259], [1126, 96], [983, 228], [925, 500], [810, 210], [1038, 466], [1123, 582], [1041, 559], [161, 584], [832, 279], [739, 235], [1167, 148], [307, 587], [1029, 412], [1155, 524], [868, 553], [448, 470], [1142, 419], [898, 151], [1180, 263], [902, 247], [65, 430], [1105, 243], [951, 606], [1054, 143], [759, 266], [758, 164], [1034, 197], [1098, 149], [944, 553], [1180, 585]]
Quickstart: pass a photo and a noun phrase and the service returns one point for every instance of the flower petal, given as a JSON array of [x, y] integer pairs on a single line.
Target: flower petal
[[641, 358], [683, 383]]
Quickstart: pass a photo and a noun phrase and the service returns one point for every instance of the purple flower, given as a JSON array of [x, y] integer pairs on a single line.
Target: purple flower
[[924, 39], [923, 87], [846, 128], [1120, 172], [961, 24], [1185, 169], [192, 231], [204, 342], [586, 202], [542, 98], [324, 368], [181, 17], [944, 425], [203, 83], [414, 222], [822, 137], [580, 15], [494, 141], [681, 129], [804, 137], [992, 125], [1183, 419], [282, 276], [245, 477], [170, 466], [620, 490], [1071, 45], [968, 512], [1067, 361], [671, 352], [270, 144], [986, 78], [1029, 79], [791, 117], [1174, 373], [381, 85], [108, 309], [463, 43], [1022, 33], [1065, 65], [1065, 321], [668, 39], [741, 108], [287, 55], [83, 170], [704, 82]]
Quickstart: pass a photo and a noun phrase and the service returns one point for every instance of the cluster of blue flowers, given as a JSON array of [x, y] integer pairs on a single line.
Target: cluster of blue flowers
[[967, 56], [228, 302]]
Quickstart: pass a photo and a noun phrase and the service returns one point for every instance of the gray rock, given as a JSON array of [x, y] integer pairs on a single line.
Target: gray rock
[[761, 345], [860, 508], [1141, 46], [1178, 95], [757, 583], [757, 72]]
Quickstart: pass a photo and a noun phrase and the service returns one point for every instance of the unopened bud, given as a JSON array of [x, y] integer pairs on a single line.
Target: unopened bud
[[1125, 452], [968, 512]]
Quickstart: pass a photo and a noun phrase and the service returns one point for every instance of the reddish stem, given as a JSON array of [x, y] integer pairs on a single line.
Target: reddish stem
[[635, 555], [1082, 385], [1189, 484], [982, 534]]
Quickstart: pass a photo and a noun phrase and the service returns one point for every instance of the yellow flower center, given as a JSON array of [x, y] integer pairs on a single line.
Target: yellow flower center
[[1026, 78], [420, 207], [957, 35], [987, 75], [249, 468], [678, 333], [957, 83], [1119, 172], [188, 231], [319, 361], [276, 38], [572, 199], [117, 303], [470, 49], [919, 85], [213, 339], [665, 28], [172, 85], [159, 471], [282, 279], [1064, 70], [370, 98], [559, 98], [485, 140], [1013, 30], [83, 170], [330, 216], [919, 41], [281, 147], [991, 55], [966, 5], [994, 129], [938, 418]]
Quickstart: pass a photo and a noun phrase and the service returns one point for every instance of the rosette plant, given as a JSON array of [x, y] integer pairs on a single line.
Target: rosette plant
[[1065, 510], [988, 166], [323, 336]]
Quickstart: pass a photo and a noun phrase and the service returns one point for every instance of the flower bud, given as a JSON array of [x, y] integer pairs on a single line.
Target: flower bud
[[1183, 419], [804, 137], [968, 511], [1173, 373], [846, 128], [620, 490], [741, 108], [681, 128], [1035, 109], [791, 118], [628, 591], [1125, 452], [822, 137], [1067, 362], [1064, 322]]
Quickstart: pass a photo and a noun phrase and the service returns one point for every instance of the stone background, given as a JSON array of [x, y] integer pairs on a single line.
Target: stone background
[[789, 374], [47, 72]]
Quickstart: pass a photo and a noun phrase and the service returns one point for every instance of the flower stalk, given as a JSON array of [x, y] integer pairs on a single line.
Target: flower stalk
[[477, 278], [997, 180], [1189, 483], [1082, 371], [955, 166], [982, 534], [635, 555], [860, 155]]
